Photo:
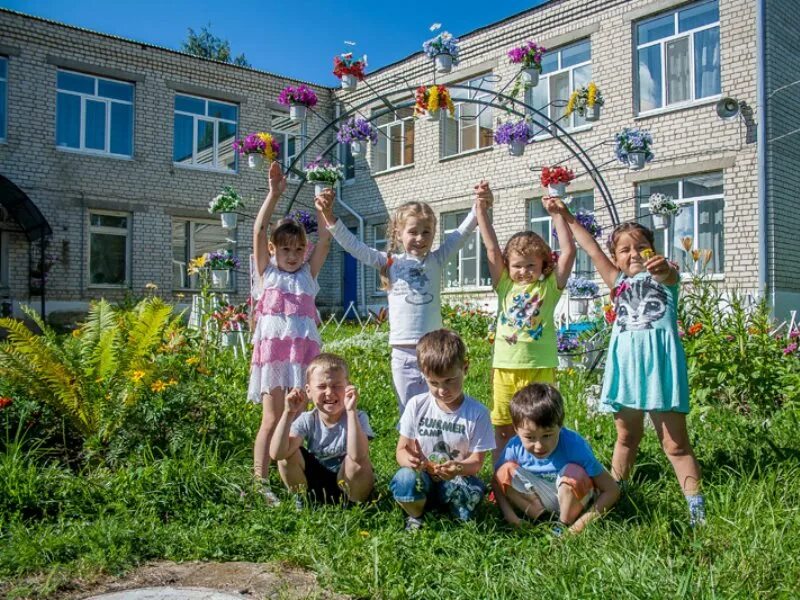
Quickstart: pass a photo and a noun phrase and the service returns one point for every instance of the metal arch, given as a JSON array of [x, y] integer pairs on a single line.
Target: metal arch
[[563, 136]]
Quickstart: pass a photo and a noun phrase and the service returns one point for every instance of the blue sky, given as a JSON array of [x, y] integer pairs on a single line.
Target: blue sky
[[294, 38]]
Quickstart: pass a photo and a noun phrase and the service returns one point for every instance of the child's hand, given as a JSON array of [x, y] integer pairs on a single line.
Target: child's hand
[[296, 401], [484, 198], [277, 180], [350, 398], [554, 205], [447, 470], [416, 460], [657, 265], [324, 203]]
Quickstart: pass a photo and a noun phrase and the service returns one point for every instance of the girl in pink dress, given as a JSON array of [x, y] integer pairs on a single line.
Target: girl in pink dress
[[285, 337]]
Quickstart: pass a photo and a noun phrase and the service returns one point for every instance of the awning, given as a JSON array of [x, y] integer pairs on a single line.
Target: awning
[[23, 211]]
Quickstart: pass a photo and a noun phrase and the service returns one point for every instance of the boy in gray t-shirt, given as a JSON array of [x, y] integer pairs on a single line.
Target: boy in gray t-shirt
[[335, 464]]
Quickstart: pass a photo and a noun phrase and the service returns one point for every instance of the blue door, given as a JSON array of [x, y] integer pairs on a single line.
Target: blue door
[[350, 281]]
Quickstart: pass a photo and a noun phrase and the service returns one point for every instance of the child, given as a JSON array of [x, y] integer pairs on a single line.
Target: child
[[547, 467], [411, 279], [444, 436], [528, 283], [646, 364], [335, 463], [285, 338]]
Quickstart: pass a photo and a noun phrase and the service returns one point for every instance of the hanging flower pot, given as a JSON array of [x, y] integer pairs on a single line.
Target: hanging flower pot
[[349, 70], [557, 189], [662, 209], [443, 49], [556, 179], [357, 147], [298, 99], [578, 307], [297, 112], [515, 134], [431, 100], [225, 204], [319, 188], [349, 83], [529, 56], [323, 174], [662, 221], [634, 148], [220, 278], [444, 63], [516, 148], [229, 220], [255, 161], [593, 113], [586, 101], [357, 132], [636, 160], [432, 115], [530, 77], [581, 291]]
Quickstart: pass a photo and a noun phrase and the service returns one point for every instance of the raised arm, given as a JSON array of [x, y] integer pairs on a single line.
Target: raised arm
[[455, 239], [357, 441], [320, 252], [607, 269], [277, 185], [566, 259], [494, 254], [283, 444], [352, 245]]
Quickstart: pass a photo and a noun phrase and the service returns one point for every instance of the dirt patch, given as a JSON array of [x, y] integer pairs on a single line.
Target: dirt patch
[[250, 580]]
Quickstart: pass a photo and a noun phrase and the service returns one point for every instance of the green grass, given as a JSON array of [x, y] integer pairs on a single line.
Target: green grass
[[198, 503]]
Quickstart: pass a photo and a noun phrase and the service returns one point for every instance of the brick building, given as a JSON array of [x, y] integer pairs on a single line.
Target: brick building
[[662, 65]]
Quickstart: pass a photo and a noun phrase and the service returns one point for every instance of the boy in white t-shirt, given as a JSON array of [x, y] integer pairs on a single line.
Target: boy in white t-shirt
[[335, 465], [444, 436]]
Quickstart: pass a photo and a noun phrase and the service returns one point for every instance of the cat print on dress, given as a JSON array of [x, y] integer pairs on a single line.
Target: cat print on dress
[[640, 303]]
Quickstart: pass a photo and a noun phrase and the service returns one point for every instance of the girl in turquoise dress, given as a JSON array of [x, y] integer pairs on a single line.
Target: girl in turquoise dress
[[646, 365]]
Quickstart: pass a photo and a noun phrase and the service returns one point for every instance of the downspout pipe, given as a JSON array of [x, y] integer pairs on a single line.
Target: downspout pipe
[[359, 267], [761, 142]]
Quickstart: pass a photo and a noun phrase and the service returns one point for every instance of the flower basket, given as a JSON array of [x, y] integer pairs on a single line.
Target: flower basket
[[580, 287], [357, 132], [357, 147], [592, 113], [443, 49], [662, 221], [323, 173], [298, 99], [349, 71], [229, 220], [257, 147], [349, 83], [516, 148], [515, 134], [220, 278], [578, 307], [588, 221], [556, 179], [586, 101], [662, 209], [634, 148], [431, 100], [529, 56], [255, 161]]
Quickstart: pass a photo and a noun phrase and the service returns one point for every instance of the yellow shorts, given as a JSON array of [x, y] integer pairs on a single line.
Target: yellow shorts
[[507, 382]]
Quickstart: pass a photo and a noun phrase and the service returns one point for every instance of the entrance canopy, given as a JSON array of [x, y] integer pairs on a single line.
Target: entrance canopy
[[23, 211]]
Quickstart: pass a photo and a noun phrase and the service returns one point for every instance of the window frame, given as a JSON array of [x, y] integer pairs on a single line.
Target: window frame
[[544, 79], [661, 42], [479, 93], [479, 256], [383, 132], [100, 229], [82, 149], [644, 213], [379, 243], [4, 100], [284, 134], [216, 121], [190, 252]]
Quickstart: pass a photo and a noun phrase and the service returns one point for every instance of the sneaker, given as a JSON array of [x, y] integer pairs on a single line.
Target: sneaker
[[697, 511], [413, 523], [270, 497]]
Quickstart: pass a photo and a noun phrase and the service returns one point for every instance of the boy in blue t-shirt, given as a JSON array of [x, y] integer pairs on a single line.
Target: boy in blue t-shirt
[[547, 467]]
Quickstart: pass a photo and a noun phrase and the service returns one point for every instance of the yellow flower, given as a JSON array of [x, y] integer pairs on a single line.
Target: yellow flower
[[695, 255], [137, 375], [172, 382], [433, 99], [76, 333], [592, 96], [158, 386], [268, 151], [150, 286], [192, 360], [573, 97], [364, 534], [647, 254], [687, 243], [707, 255], [196, 264]]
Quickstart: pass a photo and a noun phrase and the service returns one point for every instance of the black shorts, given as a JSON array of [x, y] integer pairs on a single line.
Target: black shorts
[[322, 483]]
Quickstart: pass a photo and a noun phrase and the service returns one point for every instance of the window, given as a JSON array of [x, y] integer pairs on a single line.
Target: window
[[471, 128], [348, 161], [288, 135], [204, 133], [94, 114], [702, 200], [470, 267], [191, 239], [109, 249], [563, 70], [3, 96], [395, 146], [379, 243], [678, 56], [542, 223]]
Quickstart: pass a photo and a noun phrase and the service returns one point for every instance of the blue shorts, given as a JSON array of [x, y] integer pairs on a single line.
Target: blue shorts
[[460, 495]]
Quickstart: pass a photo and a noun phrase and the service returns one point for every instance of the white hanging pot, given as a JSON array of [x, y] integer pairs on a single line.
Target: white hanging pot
[[229, 220], [593, 113], [297, 112], [357, 147], [579, 307], [530, 77], [229, 338], [636, 161], [319, 188], [433, 115], [557, 189], [516, 148], [444, 63], [661, 221], [254, 161], [220, 277], [349, 82]]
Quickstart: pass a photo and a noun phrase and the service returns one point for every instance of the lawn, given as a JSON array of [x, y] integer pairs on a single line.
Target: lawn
[[172, 481]]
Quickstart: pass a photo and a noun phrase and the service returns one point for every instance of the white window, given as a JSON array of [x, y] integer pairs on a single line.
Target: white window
[[470, 267], [471, 126], [379, 243], [204, 133], [395, 147], [678, 57], [348, 162], [563, 70], [94, 114], [288, 135], [109, 249], [191, 239], [701, 218], [542, 223], [3, 97]]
